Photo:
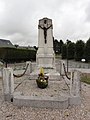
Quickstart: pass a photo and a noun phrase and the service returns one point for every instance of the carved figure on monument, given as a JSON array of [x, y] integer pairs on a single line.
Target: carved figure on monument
[[45, 28]]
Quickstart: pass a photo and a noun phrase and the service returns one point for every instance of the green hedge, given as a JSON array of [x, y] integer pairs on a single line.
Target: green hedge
[[17, 55]]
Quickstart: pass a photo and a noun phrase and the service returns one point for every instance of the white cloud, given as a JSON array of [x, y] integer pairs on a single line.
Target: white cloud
[[88, 13], [19, 19]]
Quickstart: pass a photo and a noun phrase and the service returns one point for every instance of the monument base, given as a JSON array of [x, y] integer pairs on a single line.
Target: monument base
[[50, 72], [45, 60]]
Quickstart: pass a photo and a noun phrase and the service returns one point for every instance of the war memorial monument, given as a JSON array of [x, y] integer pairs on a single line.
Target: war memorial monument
[[61, 91]]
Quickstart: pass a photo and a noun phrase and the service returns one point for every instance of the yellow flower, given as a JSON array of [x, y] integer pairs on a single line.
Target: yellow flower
[[41, 71]]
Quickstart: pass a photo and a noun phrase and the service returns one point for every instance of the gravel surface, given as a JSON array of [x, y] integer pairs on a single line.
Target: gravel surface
[[54, 89], [82, 112]]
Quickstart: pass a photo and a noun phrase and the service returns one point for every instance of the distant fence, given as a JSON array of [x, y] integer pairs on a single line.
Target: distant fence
[[72, 64]]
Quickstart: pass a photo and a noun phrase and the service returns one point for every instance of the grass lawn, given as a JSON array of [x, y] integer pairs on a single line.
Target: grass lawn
[[85, 78]]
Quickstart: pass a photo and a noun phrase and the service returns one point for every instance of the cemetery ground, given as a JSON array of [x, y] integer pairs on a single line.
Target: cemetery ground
[[81, 112]]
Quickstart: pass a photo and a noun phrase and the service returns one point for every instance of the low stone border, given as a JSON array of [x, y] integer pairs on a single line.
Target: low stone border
[[45, 102], [40, 102]]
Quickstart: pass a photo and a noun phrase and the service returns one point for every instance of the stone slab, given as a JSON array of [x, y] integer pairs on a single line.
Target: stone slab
[[40, 102]]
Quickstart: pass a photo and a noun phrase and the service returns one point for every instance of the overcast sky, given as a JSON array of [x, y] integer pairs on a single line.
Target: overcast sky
[[19, 19]]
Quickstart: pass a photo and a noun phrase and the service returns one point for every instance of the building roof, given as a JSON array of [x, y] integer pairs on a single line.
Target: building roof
[[5, 43]]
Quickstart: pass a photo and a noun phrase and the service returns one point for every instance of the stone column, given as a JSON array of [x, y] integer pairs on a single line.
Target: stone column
[[75, 86], [75, 83], [8, 83], [29, 69]]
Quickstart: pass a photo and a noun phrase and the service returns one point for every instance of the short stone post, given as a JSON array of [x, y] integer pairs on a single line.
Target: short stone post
[[75, 86], [29, 69], [62, 72], [8, 83]]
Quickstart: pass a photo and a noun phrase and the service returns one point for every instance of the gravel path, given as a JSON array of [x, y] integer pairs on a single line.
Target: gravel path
[[10, 112]]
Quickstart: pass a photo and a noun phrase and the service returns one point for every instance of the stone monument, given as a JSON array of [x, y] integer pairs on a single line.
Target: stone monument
[[45, 55], [65, 92]]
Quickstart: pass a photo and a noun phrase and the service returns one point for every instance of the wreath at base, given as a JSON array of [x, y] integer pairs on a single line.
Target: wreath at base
[[42, 81]]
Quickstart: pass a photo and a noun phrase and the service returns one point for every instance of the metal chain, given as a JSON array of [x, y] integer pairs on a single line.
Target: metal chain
[[20, 75], [18, 85], [65, 72]]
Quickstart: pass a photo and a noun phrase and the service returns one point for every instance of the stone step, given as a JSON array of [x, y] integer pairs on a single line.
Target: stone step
[[41, 102], [53, 75]]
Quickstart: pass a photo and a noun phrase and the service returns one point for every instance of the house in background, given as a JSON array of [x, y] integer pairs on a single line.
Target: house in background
[[6, 43]]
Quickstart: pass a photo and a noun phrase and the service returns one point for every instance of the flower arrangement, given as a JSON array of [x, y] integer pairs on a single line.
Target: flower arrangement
[[42, 81]]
